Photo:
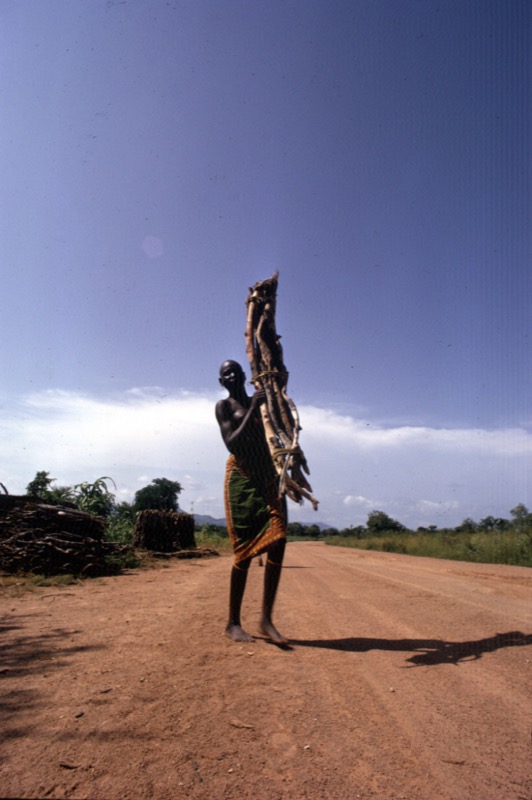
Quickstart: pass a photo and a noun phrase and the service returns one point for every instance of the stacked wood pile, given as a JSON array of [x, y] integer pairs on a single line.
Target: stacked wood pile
[[164, 531], [279, 413], [51, 540]]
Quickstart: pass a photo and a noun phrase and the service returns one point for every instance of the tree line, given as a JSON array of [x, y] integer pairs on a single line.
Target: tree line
[[97, 498], [162, 493], [379, 523]]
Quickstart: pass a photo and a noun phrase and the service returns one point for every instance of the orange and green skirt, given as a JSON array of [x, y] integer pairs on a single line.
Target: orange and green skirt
[[255, 514]]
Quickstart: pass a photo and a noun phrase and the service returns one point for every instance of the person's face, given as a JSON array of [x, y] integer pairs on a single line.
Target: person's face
[[231, 375]]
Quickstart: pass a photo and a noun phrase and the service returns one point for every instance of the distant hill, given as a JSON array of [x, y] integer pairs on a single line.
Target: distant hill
[[205, 519]]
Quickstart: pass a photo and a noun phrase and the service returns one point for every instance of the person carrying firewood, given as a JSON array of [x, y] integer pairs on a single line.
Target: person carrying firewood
[[255, 514]]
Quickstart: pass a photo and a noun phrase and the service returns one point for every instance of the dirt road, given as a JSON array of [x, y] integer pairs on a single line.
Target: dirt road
[[407, 679]]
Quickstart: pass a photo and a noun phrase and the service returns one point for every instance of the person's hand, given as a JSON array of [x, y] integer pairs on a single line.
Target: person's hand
[[258, 398]]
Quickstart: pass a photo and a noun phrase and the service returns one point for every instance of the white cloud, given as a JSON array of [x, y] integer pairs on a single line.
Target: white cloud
[[347, 432], [358, 501], [144, 434], [429, 506], [419, 475]]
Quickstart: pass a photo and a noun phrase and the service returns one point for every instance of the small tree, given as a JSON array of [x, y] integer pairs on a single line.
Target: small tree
[[467, 526], [326, 532], [522, 518], [493, 524], [160, 495], [41, 487], [295, 529], [355, 530], [379, 522]]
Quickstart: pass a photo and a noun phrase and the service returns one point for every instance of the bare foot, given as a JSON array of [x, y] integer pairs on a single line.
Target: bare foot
[[269, 630], [238, 634]]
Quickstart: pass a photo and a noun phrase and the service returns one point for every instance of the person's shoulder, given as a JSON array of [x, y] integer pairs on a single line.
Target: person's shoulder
[[223, 407]]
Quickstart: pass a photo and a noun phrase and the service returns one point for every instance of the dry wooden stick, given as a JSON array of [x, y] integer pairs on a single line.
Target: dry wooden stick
[[279, 413]]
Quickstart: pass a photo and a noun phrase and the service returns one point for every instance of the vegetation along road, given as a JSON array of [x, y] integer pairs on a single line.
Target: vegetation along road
[[406, 678]]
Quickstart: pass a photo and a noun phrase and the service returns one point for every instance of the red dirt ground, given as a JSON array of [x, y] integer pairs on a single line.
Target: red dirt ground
[[406, 679]]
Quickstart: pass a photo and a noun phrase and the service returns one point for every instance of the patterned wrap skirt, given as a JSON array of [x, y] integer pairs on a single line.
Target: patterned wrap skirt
[[255, 514]]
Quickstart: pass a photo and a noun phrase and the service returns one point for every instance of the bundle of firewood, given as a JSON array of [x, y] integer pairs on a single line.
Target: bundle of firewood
[[279, 413], [51, 540], [164, 531]]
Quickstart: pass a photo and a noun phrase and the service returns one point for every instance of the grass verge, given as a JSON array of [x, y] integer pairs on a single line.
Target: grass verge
[[505, 547]]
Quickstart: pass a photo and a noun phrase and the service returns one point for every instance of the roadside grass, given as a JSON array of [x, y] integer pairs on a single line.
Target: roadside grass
[[18, 584], [490, 547], [218, 540]]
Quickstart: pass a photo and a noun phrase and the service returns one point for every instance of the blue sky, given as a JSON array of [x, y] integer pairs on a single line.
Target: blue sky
[[158, 158]]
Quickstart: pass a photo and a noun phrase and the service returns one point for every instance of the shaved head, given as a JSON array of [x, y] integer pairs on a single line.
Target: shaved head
[[230, 364]]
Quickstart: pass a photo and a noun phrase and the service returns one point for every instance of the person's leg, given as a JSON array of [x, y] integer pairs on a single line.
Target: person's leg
[[272, 575], [239, 576]]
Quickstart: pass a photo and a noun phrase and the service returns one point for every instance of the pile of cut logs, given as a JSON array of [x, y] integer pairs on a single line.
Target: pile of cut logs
[[164, 531], [51, 540]]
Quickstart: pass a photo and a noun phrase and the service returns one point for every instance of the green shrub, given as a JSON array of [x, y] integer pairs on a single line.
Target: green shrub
[[119, 530]]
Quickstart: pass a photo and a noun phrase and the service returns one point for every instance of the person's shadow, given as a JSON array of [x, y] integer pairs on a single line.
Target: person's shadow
[[427, 652]]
